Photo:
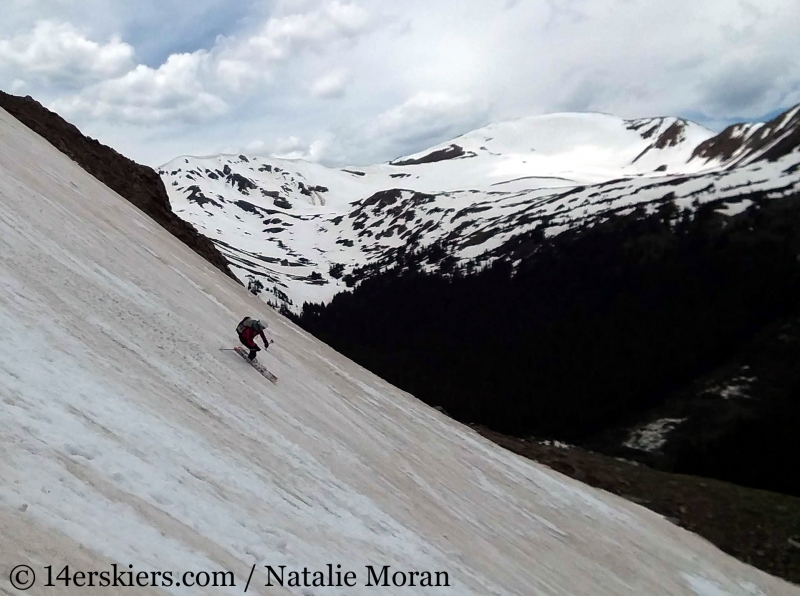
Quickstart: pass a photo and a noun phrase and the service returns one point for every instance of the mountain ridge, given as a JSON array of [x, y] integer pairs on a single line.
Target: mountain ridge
[[291, 223], [738, 145]]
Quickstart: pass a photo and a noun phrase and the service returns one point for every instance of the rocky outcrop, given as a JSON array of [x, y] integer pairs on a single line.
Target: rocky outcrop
[[746, 143], [139, 184], [451, 152]]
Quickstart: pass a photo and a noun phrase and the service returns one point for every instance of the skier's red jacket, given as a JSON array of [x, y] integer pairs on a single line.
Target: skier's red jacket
[[249, 334]]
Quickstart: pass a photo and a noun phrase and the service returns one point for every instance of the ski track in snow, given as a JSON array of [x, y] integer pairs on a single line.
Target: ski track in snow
[[127, 436]]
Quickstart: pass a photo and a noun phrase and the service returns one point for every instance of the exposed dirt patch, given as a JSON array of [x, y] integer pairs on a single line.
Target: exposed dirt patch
[[196, 196], [723, 146], [672, 136], [382, 199], [451, 152]]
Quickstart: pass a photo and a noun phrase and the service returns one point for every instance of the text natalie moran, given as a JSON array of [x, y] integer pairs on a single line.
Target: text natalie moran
[[334, 577]]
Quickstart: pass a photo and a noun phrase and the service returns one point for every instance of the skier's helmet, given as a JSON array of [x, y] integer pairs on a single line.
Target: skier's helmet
[[261, 325]]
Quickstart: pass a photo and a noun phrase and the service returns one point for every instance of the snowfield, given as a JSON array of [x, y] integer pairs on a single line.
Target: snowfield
[[300, 228], [127, 437]]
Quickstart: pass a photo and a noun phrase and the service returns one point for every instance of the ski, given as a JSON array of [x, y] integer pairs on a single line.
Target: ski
[[256, 365]]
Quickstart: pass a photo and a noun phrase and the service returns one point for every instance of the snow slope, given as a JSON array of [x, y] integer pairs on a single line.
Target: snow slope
[[127, 437], [581, 148], [292, 224]]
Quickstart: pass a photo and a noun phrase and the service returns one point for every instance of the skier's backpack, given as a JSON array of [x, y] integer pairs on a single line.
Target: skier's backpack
[[241, 326]]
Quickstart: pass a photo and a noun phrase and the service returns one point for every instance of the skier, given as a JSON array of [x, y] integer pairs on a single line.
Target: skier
[[248, 329]]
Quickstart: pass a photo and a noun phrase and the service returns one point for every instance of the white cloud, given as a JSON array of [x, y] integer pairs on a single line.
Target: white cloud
[[404, 75], [427, 117], [173, 92], [255, 147], [288, 146], [349, 18], [331, 85], [648, 58], [199, 86], [238, 76], [424, 119], [423, 109], [280, 37], [57, 53], [292, 148]]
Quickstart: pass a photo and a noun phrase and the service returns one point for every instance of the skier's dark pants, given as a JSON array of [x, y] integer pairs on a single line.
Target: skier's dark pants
[[251, 345]]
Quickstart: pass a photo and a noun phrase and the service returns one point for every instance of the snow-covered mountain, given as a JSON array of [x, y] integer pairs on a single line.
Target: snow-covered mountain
[[577, 148], [129, 439], [300, 227]]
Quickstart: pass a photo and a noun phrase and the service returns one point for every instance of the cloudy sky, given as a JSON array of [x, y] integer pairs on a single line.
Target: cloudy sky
[[363, 81]]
